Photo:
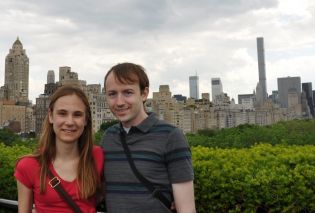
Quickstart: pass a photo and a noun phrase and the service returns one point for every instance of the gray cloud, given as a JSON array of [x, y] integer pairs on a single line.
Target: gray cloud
[[138, 15], [171, 39]]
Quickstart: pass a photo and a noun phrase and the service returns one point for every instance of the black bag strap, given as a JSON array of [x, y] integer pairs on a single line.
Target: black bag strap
[[156, 191], [55, 184]]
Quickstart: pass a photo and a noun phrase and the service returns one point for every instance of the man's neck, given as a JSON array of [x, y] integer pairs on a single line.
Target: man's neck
[[136, 121]]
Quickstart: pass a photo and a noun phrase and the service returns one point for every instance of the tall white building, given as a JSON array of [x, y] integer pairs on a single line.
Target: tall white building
[[194, 87], [216, 87], [261, 89]]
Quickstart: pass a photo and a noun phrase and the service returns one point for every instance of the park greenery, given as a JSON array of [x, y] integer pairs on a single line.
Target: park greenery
[[248, 168], [296, 132]]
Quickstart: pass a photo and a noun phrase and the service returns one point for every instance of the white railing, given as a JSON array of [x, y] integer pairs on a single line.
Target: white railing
[[10, 204]]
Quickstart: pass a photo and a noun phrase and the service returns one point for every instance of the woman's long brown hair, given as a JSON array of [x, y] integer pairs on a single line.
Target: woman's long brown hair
[[87, 177]]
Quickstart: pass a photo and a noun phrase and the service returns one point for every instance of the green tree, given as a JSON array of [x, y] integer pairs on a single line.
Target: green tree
[[108, 124], [8, 137], [295, 132], [98, 135]]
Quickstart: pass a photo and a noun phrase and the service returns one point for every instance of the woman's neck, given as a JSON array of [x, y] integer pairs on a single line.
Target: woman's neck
[[66, 160], [67, 151]]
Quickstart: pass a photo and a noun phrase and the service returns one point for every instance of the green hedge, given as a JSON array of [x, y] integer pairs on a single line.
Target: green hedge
[[272, 178], [275, 178], [8, 157]]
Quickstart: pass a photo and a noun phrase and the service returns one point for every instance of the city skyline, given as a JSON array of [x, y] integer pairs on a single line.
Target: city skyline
[[171, 39]]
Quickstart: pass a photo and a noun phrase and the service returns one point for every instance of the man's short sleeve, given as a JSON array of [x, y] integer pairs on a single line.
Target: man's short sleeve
[[178, 157]]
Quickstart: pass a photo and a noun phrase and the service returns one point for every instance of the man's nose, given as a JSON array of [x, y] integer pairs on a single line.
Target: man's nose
[[120, 99]]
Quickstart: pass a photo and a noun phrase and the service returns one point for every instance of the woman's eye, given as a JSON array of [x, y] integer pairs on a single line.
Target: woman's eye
[[78, 114]]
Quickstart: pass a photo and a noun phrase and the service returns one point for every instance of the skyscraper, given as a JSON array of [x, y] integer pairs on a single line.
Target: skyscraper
[[16, 74], [307, 89], [43, 101], [216, 87], [51, 86], [261, 90], [288, 85], [194, 87], [50, 77]]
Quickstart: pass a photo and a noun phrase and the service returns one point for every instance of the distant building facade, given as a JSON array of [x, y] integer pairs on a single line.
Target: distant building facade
[[193, 115], [99, 109], [286, 86], [216, 87], [205, 96], [307, 89], [43, 101], [9, 112], [40, 112], [179, 97], [15, 106], [247, 101], [50, 77], [194, 87], [275, 97]]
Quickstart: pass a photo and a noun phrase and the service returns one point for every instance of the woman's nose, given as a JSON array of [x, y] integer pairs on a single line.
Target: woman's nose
[[69, 120]]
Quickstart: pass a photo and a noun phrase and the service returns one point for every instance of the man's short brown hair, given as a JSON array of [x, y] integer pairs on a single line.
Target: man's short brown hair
[[129, 73]]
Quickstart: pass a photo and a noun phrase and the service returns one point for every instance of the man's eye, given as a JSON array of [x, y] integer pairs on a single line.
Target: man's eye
[[128, 93], [112, 94]]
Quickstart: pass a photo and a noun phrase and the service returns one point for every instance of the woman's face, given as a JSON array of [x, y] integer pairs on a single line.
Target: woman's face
[[68, 118]]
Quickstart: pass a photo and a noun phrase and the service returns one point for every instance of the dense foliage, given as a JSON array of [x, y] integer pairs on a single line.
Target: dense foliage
[[8, 137], [244, 169], [296, 132], [8, 157], [271, 178]]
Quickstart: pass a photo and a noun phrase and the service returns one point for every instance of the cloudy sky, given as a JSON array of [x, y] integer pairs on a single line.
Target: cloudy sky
[[172, 39]]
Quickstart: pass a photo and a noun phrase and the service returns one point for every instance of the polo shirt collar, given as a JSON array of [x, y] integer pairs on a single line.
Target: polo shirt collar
[[146, 124]]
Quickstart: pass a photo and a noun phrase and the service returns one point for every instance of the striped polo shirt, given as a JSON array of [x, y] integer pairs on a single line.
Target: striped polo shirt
[[161, 154]]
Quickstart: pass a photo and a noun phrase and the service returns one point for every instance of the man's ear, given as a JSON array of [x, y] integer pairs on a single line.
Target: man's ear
[[145, 94]]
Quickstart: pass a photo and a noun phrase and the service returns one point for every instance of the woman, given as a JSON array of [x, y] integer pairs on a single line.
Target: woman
[[66, 149]]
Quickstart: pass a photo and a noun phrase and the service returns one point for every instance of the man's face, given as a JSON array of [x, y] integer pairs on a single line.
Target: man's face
[[126, 101]]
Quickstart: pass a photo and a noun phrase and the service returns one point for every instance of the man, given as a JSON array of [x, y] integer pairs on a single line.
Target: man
[[159, 150]]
